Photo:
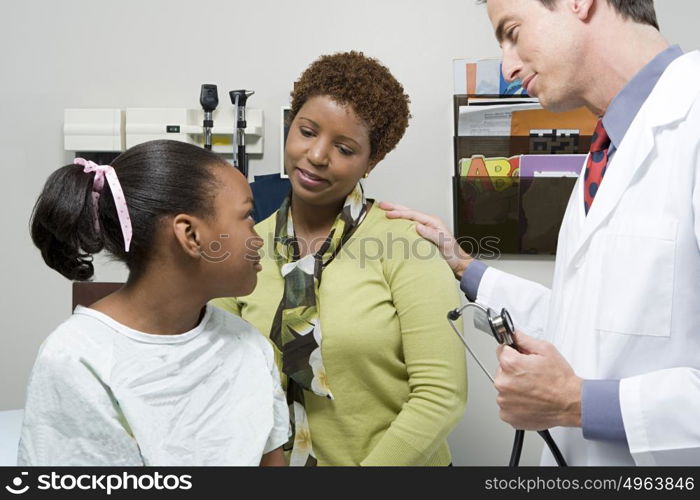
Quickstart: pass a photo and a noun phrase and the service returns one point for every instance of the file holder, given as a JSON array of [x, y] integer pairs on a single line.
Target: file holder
[[523, 218], [520, 216]]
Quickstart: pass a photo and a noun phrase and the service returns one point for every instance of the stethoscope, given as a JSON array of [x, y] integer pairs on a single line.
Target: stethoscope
[[502, 329]]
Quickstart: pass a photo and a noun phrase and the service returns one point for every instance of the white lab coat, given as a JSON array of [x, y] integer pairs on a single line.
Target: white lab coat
[[625, 301]]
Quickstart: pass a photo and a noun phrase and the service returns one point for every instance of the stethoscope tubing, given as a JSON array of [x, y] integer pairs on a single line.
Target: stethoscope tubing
[[519, 434]]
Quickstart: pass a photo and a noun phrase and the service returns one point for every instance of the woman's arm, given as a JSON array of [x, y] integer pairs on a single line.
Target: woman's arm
[[527, 301], [274, 459], [423, 290]]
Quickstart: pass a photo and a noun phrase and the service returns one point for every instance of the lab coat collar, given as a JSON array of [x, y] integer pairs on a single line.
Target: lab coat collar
[[669, 102]]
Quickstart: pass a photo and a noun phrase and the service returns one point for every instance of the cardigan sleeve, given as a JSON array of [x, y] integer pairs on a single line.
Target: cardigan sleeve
[[423, 291]]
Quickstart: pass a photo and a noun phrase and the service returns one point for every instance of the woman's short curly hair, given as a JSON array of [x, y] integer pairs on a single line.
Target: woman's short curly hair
[[351, 78]]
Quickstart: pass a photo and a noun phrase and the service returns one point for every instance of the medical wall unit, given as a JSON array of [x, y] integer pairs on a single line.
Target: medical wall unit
[[515, 164], [114, 130], [101, 135], [93, 130]]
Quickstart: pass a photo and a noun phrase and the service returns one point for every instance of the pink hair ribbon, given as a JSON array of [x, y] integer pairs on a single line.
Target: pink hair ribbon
[[102, 171]]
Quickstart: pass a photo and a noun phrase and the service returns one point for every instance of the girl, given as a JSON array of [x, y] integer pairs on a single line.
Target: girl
[[355, 303], [152, 375]]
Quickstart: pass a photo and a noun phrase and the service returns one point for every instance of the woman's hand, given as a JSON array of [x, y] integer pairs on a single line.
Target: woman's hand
[[274, 459], [435, 230]]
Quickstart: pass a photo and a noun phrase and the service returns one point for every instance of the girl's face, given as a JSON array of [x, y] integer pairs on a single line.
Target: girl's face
[[327, 152], [229, 242]]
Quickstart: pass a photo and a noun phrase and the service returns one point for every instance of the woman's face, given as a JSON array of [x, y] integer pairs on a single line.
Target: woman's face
[[327, 152]]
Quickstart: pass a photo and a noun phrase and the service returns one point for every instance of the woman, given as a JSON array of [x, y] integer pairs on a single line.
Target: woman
[[355, 303]]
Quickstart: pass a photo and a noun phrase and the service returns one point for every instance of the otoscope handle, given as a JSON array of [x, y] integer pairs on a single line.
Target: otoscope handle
[[209, 99], [242, 158]]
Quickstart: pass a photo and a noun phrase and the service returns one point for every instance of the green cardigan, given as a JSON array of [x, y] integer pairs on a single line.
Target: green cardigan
[[396, 369]]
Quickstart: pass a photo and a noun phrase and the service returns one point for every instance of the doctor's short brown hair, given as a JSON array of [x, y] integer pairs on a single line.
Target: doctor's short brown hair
[[640, 11], [364, 84]]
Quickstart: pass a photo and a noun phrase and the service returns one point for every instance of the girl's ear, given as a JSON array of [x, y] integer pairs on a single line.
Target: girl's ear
[[187, 232]]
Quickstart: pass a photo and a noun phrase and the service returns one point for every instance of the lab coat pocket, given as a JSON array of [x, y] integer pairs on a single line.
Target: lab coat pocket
[[636, 295]]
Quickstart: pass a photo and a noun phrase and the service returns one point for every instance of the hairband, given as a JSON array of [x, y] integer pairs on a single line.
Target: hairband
[[102, 171]]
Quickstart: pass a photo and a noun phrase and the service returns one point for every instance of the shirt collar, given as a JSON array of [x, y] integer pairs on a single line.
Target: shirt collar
[[629, 100]]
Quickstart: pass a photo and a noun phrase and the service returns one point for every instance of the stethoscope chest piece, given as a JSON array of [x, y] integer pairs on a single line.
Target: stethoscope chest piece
[[501, 327]]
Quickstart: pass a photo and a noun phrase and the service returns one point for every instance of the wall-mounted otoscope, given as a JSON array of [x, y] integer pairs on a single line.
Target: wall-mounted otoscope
[[209, 99], [239, 99]]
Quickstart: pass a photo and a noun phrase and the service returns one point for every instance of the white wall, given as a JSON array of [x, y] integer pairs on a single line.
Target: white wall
[[156, 53]]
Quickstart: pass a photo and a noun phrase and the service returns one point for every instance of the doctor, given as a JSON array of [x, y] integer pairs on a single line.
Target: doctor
[[611, 355]]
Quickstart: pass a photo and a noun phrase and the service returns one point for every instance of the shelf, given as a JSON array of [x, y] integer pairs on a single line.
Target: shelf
[[115, 130]]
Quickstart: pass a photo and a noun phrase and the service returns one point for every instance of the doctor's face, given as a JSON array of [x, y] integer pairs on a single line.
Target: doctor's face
[[543, 48]]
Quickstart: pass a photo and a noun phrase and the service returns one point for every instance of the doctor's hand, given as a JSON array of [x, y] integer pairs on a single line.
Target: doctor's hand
[[537, 388], [433, 229]]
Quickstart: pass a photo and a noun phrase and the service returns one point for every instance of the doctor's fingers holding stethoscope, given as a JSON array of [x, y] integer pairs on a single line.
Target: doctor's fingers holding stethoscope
[[537, 388]]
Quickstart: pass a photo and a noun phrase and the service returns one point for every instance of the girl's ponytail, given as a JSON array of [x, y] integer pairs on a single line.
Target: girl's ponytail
[[64, 225], [85, 208]]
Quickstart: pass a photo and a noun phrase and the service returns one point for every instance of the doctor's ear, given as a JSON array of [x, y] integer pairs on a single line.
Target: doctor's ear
[[584, 9], [187, 232]]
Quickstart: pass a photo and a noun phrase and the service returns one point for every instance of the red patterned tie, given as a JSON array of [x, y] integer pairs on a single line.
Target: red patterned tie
[[596, 165]]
